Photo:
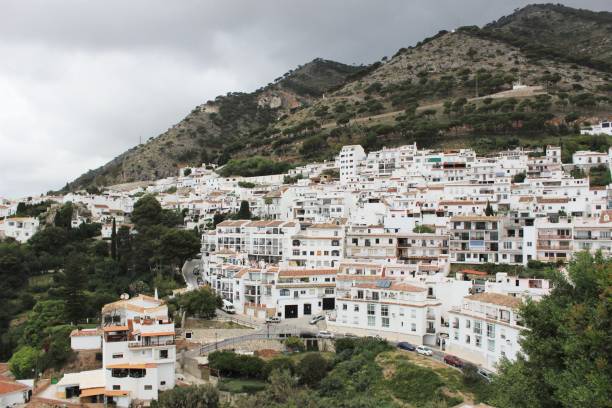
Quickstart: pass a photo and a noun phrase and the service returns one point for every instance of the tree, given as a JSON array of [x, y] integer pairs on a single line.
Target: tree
[[195, 396], [51, 239], [312, 369], [147, 212], [72, 284], [114, 240], [200, 303], [489, 210], [245, 212], [567, 346], [63, 216], [519, 177], [179, 245], [23, 362]]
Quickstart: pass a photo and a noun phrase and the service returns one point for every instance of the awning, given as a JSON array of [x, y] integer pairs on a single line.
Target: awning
[[157, 334], [132, 366], [90, 392], [115, 328], [115, 393]]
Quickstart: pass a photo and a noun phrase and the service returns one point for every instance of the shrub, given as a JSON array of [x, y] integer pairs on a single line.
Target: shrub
[[279, 364], [312, 369], [294, 344], [231, 364]]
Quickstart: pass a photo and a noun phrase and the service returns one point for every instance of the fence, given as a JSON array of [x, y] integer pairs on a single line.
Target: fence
[[272, 333]]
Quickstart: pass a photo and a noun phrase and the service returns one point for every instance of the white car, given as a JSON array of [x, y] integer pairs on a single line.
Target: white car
[[324, 334], [426, 351], [316, 319]]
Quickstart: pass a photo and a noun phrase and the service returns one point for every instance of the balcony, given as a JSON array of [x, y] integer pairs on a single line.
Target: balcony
[[150, 343], [430, 330]]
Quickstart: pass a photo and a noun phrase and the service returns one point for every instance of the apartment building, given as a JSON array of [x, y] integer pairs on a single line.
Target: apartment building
[[348, 161], [138, 356], [370, 241], [399, 310], [474, 239], [485, 329], [318, 245], [304, 292]]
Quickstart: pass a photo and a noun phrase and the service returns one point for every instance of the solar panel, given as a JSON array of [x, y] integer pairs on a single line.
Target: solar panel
[[383, 284]]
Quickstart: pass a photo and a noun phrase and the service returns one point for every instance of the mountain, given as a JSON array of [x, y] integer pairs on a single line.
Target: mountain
[[453, 89]]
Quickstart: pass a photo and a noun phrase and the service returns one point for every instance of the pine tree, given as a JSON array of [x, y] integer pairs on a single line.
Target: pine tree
[[489, 210], [114, 240], [245, 211]]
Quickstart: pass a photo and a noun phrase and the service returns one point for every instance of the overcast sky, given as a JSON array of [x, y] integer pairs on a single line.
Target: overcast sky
[[81, 81]]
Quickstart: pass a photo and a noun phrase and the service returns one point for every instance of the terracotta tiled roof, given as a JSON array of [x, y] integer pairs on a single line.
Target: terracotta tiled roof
[[306, 272], [496, 299], [9, 387]]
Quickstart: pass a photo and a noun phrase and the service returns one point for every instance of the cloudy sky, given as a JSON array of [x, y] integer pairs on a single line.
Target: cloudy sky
[[82, 81]]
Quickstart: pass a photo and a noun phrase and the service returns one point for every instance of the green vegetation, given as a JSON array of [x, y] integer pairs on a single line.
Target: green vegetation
[[200, 303], [253, 166], [32, 210], [568, 343], [246, 184], [240, 385], [423, 229], [294, 344], [197, 396], [364, 372], [230, 364], [600, 176], [62, 277], [519, 177]]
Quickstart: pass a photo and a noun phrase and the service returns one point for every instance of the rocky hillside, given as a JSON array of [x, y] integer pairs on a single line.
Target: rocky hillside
[[218, 129], [452, 89]]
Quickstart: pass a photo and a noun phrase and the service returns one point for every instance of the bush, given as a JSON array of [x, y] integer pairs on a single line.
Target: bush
[[280, 364], [423, 229], [246, 184], [23, 362], [201, 396], [230, 364], [312, 369], [294, 344]]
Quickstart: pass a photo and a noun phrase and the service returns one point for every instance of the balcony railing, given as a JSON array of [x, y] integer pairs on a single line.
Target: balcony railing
[[152, 343], [430, 330]]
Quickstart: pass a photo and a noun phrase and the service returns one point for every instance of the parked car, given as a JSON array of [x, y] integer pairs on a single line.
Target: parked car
[[273, 319], [486, 374], [454, 361], [228, 306], [324, 334], [404, 345], [350, 335], [315, 319], [426, 351]]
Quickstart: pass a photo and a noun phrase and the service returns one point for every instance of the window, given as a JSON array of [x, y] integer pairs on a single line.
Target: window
[[456, 336], [468, 323], [116, 387], [148, 387], [385, 322], [384, 310], [344, 306], [490, 330], [413, 327], [356, 309], [284, 292], [162, 383], [163, 353], [371, 320], [491, 345], [118, 355], [467, 338], [478, 341], [329, 291], [371, 309]]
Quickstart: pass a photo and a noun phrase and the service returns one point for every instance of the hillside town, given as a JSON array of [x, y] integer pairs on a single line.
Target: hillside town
[[406, 244]]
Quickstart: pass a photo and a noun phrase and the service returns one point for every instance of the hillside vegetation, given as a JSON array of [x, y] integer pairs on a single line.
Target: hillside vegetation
[[453, 89]]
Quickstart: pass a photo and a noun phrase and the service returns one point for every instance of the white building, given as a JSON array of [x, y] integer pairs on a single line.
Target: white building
[[485, 329], [19, 228]]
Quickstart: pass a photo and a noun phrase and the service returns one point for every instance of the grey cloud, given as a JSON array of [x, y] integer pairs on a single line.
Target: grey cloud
[[80, 82]]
